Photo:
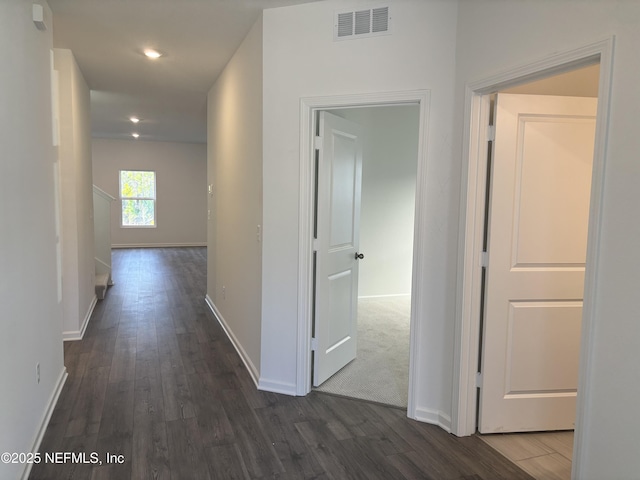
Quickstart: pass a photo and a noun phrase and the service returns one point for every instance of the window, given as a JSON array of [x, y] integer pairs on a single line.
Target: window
[[138, 196]]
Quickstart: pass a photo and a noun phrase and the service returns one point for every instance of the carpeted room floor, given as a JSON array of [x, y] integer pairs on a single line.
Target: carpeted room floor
[[380, 372]]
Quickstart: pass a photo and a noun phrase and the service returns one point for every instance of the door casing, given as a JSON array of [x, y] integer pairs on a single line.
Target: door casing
[[477, 109], [308, 108]]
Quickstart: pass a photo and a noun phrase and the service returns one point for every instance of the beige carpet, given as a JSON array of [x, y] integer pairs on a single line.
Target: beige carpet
[[380, 372]]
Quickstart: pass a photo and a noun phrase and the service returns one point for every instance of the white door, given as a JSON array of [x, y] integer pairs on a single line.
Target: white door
[[537, 237], [339, 178]]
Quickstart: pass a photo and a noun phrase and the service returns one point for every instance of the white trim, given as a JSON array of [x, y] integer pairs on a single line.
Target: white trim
[[471, 228], [158, 245], [78, 334], [267, 385], [393, 295], [103, 194], [104, 264], [308, 107], [606, 51], [253, 371], [44, 423], [139, 226], [434, 417]]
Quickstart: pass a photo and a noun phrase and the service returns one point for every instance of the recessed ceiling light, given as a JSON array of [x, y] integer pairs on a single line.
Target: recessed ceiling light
[[152, 53], [134, 119], [135, 135]]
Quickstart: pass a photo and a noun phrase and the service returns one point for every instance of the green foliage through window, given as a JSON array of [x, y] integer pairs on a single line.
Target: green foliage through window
[[138, 195]]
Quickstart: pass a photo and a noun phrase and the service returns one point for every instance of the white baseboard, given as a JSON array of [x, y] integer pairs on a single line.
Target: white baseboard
[[157, 245], [393, 295], [78, 334], [44, 423], [433, 417], [267, 385], [253, 371]]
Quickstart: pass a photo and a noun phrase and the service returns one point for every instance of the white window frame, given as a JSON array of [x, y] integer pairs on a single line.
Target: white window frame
[[155, 185]]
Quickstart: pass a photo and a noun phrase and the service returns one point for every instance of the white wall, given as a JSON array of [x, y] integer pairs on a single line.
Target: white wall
[[582, 82], [181, 189], [389, 170], [521, 32], [235, 171], [301, 60], [76, 177], [30, 315]]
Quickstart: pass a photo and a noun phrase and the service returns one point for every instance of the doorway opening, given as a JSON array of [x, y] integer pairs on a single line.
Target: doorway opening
[[479, 94], [538, 187], [310, 108], [380, 370]]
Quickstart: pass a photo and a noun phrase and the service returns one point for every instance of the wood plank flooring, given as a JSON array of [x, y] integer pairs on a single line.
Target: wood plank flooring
[[156, 381]]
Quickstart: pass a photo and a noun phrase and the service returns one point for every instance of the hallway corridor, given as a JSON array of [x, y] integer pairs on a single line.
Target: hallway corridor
[[156, 383]]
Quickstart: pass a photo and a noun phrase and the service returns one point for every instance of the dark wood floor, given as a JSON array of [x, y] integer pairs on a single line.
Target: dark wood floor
[[156, 380]]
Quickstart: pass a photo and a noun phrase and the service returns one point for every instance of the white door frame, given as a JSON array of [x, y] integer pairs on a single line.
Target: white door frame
[[308, 107], [472, 204]]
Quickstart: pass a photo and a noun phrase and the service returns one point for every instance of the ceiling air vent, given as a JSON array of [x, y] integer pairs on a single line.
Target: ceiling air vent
[[361, 23]]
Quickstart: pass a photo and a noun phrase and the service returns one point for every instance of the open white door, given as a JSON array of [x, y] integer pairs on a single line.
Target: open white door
[[339, 178], [539, 208]]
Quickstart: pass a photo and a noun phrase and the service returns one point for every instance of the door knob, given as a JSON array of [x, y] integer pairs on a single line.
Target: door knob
[[359, 256]]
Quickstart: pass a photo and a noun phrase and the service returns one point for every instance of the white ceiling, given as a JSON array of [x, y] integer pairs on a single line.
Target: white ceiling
[[197, 37]]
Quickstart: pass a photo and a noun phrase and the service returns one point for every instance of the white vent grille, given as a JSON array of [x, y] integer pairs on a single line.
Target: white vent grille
[[362, 23], [380, 20], [345, 24]]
